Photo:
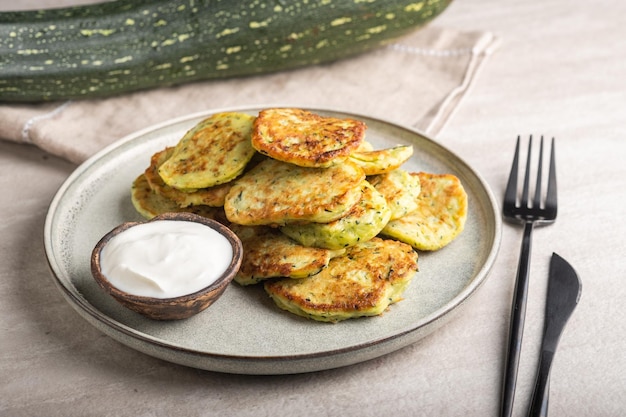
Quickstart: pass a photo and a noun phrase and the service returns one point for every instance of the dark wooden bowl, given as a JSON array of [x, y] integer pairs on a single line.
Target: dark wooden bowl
[[174, 308]]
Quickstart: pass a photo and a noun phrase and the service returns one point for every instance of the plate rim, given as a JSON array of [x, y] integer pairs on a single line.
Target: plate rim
[[299, 362]]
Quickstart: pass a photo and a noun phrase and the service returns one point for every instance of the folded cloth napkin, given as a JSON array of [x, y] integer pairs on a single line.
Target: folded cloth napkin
[[416, 81]]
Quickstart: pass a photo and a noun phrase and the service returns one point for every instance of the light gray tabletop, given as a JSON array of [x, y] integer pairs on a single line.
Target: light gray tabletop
[[560, 71]]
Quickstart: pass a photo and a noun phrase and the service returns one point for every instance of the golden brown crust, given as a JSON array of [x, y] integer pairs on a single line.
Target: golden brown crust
[[276, 193], [267, 253], [364, 282], [306, 139]]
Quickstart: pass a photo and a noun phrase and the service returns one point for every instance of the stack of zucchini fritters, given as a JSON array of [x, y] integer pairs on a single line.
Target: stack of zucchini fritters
[[329, 226]]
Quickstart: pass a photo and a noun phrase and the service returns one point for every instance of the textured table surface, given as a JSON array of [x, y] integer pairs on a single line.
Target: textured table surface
[[560, 72]]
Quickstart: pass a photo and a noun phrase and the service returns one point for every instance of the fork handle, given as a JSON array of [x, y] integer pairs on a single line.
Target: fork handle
[[516, 330]]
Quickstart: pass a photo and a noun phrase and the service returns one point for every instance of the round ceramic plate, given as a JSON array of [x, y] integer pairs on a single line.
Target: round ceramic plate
[[244, 332]]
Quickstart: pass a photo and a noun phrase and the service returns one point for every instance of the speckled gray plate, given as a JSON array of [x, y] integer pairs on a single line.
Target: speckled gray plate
[[243, 332]]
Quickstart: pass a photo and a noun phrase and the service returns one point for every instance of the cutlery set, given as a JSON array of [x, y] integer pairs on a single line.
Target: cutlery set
[[564, 286]]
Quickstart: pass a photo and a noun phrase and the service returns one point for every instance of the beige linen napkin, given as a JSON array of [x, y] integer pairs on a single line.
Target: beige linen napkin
[[416, 81]]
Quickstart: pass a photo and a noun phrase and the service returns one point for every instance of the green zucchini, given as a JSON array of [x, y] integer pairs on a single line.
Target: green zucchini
[[127, 45]]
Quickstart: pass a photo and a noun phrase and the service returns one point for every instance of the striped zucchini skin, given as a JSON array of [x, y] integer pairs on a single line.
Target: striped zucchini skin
[[127, 45]]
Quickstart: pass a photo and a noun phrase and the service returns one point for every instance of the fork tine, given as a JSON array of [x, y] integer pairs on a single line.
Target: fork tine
[[551, 198], [524, 201], [510, 195], [537, 199]]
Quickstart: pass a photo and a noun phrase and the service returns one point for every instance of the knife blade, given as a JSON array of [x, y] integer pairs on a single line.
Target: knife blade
[[564, 289]]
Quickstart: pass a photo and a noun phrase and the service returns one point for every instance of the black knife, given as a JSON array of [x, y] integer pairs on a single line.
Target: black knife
[[564, 288]]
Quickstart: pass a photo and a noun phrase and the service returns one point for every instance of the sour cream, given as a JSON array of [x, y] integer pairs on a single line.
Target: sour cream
[[164, 258]]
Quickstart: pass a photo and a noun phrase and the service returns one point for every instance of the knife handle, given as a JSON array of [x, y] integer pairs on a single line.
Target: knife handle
[[539, 402]]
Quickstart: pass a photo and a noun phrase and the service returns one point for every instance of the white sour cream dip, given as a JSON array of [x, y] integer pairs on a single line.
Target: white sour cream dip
[[165, 258]]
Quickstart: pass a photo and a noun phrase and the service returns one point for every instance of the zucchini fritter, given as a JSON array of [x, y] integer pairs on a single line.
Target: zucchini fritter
[[304, 138], [212, 196], [150, 204], [400, 189], [276, 193], [440, 215], [267, 253], [383, 160], [364, 221], [328, 224], [363, 282], [213, 152]]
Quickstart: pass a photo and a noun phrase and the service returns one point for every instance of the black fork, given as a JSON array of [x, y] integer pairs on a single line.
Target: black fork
[[540, 211]]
